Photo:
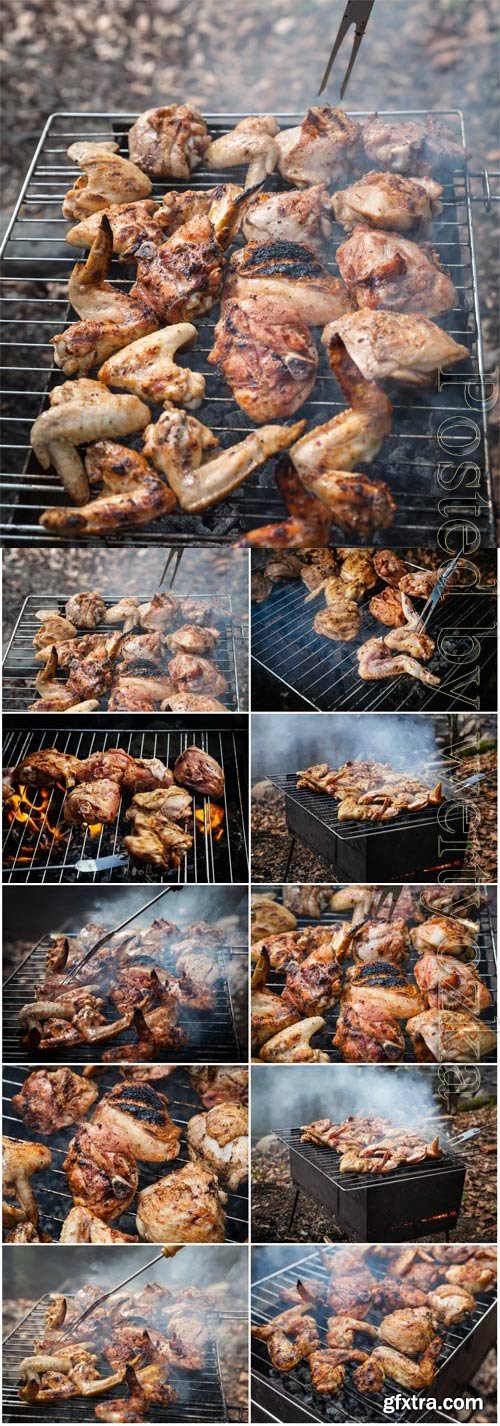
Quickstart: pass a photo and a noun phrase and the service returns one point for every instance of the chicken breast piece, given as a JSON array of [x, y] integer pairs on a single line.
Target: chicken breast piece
[[266, 355], [322, 149], [442, 1035], [390, 201], [138, 1115], [293, 275], [218, 1139], [294, 217], [383, 269], [185, 1207], [107, 179], [53, 1099], [168, 142], [396, 346]]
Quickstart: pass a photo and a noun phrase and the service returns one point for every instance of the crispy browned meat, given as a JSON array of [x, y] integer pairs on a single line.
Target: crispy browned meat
[[197, 770], [387, 607], [409, 146], [107, 178], [92, 802], [185, 1207], [389, 566], [390, 201], [48, 765], [134, 494], [139, 692], [194, 674], [111, 763], [102, 1171], [154, 839], [290, 274], [374, 1037], [53, 1099], [294, 217], [181, 278], [141, 651], [322, 149], [270, 1012], [383, 269], [267, 356], [218, 1084], [168, 142], [290, 1336], [145, 220], [448, 984], [147, 368], [145, 774], [86, 610]]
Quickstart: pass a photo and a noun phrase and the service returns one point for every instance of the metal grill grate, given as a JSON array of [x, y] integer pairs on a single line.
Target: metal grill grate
[[433, 432], [52, 1194], [325, 673], [485, 966], [290, 1394], [328, 1160], [20, 669], [77, 856], [200, 1395], [325, 809]]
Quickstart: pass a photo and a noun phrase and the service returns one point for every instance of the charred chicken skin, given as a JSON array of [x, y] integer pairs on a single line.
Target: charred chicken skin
[[102, 1171], [292, 275], [289, 1337]]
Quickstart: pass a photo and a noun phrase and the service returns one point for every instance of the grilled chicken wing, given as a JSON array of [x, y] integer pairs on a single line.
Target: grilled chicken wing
[[440, 1035], [322, 149], [101, 1170], [134, 494], [390, 201], [475, 1275], [216, 1084], [373, 1035], [107, 179], [380, 940], [19, 1161], [185, 1207], [168, 142], [176, 445], [382, 269], [289, 1337], [408, 146], [80, 412], [145, 221], [138, 1116], [266, 355], [405, 347], [343, 1330], [447, 984], [294, 1044], [92, 802], [54, 629], [375, 661], [252, 141], [310, 520], [270, 1013], [281, 949], [53, 1099], [292, 275], [451, 935], [215, 203], [111, 319], [147, 368], [83, 1226], [199, 771], [294, 217], [218, 1139], [269, 917]]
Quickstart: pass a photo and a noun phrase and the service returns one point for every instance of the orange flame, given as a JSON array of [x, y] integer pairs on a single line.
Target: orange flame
[[211, 819], [21, 810]]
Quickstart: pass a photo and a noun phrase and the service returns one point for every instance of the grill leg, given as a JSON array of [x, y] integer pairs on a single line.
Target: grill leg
[[294, 1209], [289, 859]]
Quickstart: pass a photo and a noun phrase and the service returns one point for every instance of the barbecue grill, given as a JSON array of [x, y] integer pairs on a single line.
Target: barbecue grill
[[289, 1397], [200, 1394], [433, 432], [413, 846], [55, 852], [290, 657], [419, 1199], [20, 669], [51, 1188], [485, 966]]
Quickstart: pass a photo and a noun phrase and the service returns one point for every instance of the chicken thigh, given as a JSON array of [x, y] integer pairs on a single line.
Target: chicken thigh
[[291, 274], [138, 1116], [405, 347], [322, 149], [382, 269], [168, 142], [101, 1170], [185, 1207], [267, 356], [300, 216], [218, 1139]]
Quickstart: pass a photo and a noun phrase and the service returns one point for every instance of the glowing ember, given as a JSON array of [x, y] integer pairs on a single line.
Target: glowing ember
[[210, 819], [94, 828]]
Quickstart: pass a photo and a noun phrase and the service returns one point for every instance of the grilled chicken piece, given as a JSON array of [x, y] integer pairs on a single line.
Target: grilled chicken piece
[[292, 275], [440, 1035], [192, 703], [375, 1036], [169, 142], [181, 278], [322, 149], [197, 770], [157, 1031], [146, 774], [375, 661], [154, 839], [340, 621], [411, 638], [305, 901], [192, 639], [81, 412], [45, 767], [386, 1362], [387, 607], [268, 917], [383, 269], [83, 1226], [138, 693], [186, 1207], [134, 495], [54, 629], [389, 1294], [102, 1171], [379, 985], [219, 1084], [147, 368], [177, 442], [289, 1337], [266, 355], [328, 1367], [112, 763], [269, 1012], [384, 1155], [53, 1099], [107, 179], [447, 984], [389, 567], [451, 1303], [91, 802], [287, 946], [171, 802], [293, 1044], [138, 1116], [218, 1139], [294, 217], [409, 146], [474, 1275], [350, 1291], [389, 201], [451, 935], [110, 319], [160, 614], [314, 985], [26, 1233], [252, 141], [192, 674], [126, 612], [86, 610], [143, 651], [405, 347], [19, 1161], [358, 897], [215, 203], [343, 1330], [380, 940], [310, 520], [145, 221], [418, 582]]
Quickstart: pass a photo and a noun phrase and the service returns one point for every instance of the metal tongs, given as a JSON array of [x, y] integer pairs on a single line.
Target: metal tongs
[[114, 932], [438, 590], [393, 893], [166, 1252], [357, 13]]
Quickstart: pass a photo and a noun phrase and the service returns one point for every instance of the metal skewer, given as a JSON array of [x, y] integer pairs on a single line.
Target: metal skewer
[[114, 932], [166, 1252]]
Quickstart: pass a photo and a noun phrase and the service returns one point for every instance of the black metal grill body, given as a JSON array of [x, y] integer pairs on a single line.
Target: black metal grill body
[[20, 669], [413, 846], [485, 966], [414, 1201], [435, 458], [209, 860], [52, 1193], [289, 1397], [200, 1394], [324, 674]]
